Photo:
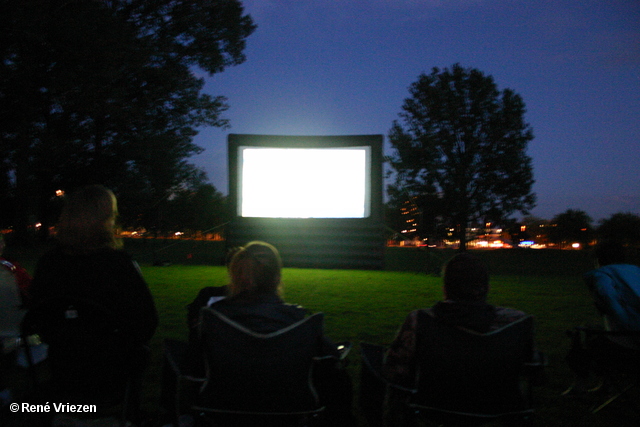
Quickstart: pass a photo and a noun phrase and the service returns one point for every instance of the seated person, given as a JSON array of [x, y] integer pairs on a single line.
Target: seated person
[[22, 277], [615, 286], [15, 282], [253, 297], [88, 262], [466, 285], [253, 300], [206, 297]]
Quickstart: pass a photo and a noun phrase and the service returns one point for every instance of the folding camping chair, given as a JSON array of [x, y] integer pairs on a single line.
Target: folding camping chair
[[464, 377], [620, 370], [250, 378]]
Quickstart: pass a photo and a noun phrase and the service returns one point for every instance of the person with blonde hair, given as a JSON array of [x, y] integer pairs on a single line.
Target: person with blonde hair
[[87, 222], [254, 290], [88, 276], [88, 262], [255, 270], [254, 300]]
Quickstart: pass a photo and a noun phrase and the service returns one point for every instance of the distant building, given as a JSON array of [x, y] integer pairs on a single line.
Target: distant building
[[411, 218]]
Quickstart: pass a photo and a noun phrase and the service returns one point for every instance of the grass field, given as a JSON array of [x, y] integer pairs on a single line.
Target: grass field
[[370, 306]]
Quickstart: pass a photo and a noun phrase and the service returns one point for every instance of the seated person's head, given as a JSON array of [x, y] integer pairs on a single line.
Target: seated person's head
[[255, 270], [87, 221], [610, 252], [465, 279]]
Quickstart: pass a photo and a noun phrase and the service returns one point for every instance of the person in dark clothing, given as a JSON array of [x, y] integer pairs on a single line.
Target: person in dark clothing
[[20, 274], [88, 267], [15, 284], [253, 300], [465, 289], [466, 285], [207, 296], [88, 262]]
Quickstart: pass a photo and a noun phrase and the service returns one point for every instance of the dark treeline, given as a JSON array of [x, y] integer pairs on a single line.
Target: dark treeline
[[108, 92]]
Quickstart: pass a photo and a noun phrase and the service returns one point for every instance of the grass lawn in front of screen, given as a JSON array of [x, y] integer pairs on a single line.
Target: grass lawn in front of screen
[[370, 306]]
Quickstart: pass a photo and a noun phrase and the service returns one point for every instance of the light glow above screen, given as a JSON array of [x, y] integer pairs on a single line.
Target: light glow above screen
[[304, 182]]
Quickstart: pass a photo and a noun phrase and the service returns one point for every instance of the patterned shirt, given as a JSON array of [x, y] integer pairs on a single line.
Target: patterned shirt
[[400, 360]]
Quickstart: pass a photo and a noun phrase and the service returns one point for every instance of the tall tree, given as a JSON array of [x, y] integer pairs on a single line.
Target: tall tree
[[199, 208], [108, 91], [571, 226], [621, 226], [461, 146]]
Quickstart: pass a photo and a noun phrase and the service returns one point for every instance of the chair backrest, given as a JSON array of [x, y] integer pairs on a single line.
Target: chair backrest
[[89, 351], [464, 371], [11, 311], [250, 372]]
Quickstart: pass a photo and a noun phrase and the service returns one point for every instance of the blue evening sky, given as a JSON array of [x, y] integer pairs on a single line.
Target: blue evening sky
[[333, 67]]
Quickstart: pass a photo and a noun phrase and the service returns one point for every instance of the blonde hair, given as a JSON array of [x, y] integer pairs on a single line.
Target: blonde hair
[[255, 270], [87, 221]]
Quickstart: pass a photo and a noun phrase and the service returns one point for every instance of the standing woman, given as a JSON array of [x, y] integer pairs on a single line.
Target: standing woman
[[88, 262]]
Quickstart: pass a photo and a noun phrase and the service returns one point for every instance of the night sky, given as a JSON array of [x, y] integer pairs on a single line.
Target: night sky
[[333, 67]]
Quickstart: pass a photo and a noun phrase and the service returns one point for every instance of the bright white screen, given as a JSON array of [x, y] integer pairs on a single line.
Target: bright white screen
[[304, 182]]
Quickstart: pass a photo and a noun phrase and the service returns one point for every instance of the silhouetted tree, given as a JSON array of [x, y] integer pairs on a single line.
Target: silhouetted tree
[[108, 91], [197, 207], [461, 145], [622, 226], [571, 226]]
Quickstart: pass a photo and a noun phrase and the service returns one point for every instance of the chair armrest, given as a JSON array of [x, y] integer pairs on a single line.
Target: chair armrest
[[344, 347], [401, 388], [176, 356], [179, 387], [581, 336], [539, 359], [597, 331], [373, 359], [534, 370]]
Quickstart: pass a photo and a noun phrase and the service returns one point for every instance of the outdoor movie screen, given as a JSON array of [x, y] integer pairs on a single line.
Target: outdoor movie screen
[[295, 182]]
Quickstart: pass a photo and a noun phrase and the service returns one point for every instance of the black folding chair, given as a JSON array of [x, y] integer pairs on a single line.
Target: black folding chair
[[619, 366], [92, 358], [251, 378], [465, 377]]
